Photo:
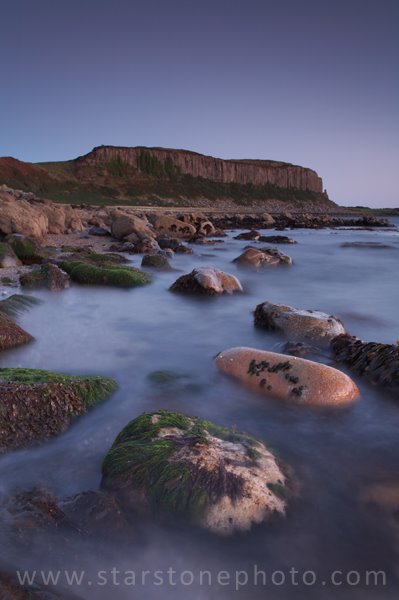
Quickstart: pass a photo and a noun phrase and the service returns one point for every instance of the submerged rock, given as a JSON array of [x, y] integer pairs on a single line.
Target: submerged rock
[[35, 405], [378, 362], [109, 274], [297, 324], [156, 261], [16, 304], [277, 239], [46, 276], [248, 235], [208, 281], [11, 589], [262, 258], [369, 245], [11, 334], [288, 377], [168, 463]]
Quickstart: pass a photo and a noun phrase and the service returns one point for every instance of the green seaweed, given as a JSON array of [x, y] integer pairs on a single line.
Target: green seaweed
[[141, 460], [17, 303], [91, 389], [110, 275]]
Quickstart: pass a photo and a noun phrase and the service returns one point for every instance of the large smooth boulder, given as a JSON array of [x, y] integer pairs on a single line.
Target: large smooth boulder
[[378, 362], [177, 465], [208, 281], [297, 324], [262, 258], [47, 276], [36, 405], [170, 226], [288, 378]]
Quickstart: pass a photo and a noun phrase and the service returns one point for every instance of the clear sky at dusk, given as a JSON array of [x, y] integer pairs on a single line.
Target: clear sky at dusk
[[313, 82]]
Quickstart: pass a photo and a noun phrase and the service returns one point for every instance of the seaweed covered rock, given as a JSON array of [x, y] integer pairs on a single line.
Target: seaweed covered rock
[[378, 362], [11, 334], [26, 249], [257, 258], [207, 281], [108, 274], [8, 258], [36, 405], [287, 377], [46, 276], [297, 324], [168, 463], [156, 261]]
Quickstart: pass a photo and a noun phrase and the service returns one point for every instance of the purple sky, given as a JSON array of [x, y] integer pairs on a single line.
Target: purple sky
[[313, 82]]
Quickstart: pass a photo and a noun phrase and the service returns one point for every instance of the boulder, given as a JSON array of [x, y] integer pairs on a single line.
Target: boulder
[[171, 226], [37, 405], [46, 276], [261, 258], [297, 324], [288, 378], [208, 281], [17, 215], [167, 463], [123, 225], [156, 261], [26, 249], [8, 258], [99, 231], [11, 334], [378, 362]]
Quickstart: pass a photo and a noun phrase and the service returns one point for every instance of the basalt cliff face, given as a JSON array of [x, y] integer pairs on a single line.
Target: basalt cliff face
[[167, 177], [253, 172]]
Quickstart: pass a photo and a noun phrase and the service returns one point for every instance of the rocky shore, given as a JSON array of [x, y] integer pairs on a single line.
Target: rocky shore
[[166, 464]]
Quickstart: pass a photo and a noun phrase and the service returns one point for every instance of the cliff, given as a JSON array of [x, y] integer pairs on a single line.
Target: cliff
[[253, 172], [167, 177]]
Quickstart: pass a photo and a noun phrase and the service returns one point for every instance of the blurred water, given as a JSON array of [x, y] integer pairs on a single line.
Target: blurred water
[[129, 334]]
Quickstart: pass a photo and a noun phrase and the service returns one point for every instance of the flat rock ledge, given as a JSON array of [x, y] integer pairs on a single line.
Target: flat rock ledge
[[167, 463]]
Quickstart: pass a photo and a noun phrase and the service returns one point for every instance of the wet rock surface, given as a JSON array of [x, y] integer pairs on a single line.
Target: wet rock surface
[[288, 378], [171, 464], [47, 276], [260, 258], [297, 324], [36, 405], [207, 281], [379, 363]]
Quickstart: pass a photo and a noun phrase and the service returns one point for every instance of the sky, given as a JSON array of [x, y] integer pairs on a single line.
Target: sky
[[312, 82]]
